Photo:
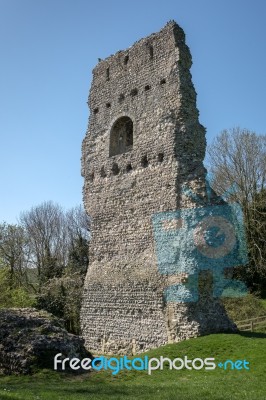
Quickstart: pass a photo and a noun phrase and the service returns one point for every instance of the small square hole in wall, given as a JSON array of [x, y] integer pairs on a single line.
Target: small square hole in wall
[[134, 92], [121, 98], [108, 105], [126, 59], [144, 161], [151, 52], [108, 74], [103, 173], [115, 169], [160, 157], [96, 110], [91, 177], [129, 167], [147, 87], [162, 82]]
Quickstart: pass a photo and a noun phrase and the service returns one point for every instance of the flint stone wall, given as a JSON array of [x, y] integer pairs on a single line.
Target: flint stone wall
[[123, 309]]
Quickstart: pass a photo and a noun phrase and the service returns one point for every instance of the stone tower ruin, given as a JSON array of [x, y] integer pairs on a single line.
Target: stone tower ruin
[[143, 144]]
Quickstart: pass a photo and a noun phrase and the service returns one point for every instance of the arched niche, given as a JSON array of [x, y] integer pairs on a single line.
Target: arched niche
[[121, 136]]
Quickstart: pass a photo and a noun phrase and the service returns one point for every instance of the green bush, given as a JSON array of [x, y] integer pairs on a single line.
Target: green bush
[[13, 297]]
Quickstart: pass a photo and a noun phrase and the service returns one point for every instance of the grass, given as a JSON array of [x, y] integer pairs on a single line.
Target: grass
[[164, 384]]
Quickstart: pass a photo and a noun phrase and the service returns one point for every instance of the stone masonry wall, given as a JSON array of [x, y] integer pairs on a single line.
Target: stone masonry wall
[[124, 310]]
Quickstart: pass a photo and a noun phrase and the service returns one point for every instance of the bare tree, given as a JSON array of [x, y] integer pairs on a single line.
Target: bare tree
[[237, 162], [44, 226], [237, 157], [78, 223], [44, 260], [56, 239]]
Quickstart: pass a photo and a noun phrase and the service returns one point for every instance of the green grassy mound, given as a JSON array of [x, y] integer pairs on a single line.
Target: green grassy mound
[[217, 384]]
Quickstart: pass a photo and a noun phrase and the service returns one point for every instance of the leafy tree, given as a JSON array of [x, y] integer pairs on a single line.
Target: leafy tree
[[78, 225], [62, 297], [13, 296], [14, 253]]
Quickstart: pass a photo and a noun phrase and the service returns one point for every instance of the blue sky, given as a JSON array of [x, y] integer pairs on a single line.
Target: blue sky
[[48, 50]]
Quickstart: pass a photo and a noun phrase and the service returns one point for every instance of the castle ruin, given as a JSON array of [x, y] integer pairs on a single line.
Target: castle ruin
[[143, 144]]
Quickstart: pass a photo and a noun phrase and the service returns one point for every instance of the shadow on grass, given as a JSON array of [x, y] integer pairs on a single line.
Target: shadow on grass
[[110, 391], [256, 335]]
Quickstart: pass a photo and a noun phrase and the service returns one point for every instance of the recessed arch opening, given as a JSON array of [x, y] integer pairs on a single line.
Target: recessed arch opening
[[121, 136]]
